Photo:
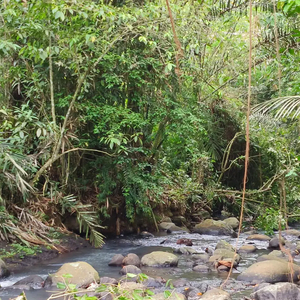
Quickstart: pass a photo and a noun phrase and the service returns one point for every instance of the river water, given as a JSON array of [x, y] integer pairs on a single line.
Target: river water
[[99, 259]]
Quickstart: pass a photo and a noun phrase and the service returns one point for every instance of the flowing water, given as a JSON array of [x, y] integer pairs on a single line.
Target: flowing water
[[99, 259]]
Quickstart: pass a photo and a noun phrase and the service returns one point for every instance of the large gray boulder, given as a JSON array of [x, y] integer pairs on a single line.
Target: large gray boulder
[[4, 272], [159, 259], [278, 291], [83, 274], [216, 294], [233, 222], [212, 227], [271, 271]]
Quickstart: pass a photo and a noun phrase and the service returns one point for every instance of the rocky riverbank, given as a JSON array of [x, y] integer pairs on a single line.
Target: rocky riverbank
[[197, 263]]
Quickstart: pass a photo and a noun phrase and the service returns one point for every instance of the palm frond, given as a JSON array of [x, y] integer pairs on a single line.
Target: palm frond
[[288, 106]]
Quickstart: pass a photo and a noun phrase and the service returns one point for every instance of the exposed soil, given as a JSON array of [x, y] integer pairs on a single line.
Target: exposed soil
[[67, 243]]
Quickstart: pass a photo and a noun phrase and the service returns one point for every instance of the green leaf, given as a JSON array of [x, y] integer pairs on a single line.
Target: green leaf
[[61, 285], [131, 275], [67, 275], [59, 14], [167, 294]]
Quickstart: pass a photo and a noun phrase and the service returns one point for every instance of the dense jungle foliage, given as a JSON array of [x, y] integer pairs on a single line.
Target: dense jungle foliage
[[115, 113]]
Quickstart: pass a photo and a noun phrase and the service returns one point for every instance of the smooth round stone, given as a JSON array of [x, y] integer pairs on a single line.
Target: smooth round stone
[[247, 249], [258, 237]]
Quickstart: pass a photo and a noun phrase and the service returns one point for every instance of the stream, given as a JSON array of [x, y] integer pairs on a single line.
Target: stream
[[99, 259]]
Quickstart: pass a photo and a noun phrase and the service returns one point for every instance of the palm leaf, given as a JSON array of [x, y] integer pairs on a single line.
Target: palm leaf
[[288, 106]]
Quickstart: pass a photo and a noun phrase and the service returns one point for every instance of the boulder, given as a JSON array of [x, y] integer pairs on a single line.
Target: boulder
[[130, 269], [233, 222], [169, 226], [4, 272], [179, 220], [212, 227], [293, 232], [146, 235], [274, 255], [116, 260], [247, 249], [271, 271], [274, 243], [201, 268], [129, 287], [224, 245], [173, 296], [159, 259], [32, 282], [224, 254], [185, 250], [216, 294], [166, 219], [83, 274], [131, 259], [108, 280], [201, 257], [278, 291], [258, 237]]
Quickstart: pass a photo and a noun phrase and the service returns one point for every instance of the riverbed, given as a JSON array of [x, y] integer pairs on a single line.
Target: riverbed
[[99, 259]]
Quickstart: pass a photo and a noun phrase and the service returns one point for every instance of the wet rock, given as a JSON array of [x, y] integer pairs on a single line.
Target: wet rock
[[169, 226], [166, 219], [153, 283], [233, 222], [271, 271], [32, 281], [180, 283], [173, 296], [131, 286], [213, 227], [260, 286], [259, 237], [224, 245], [216, 294], [22, 287], [116, 260], [224, 254], [130, 269], [183, 241], [201, 269], [108, 281], [247, 249], [193, 293], [185, 250], [292, 232], [146, 235], [223, 268], [160, 259], [274, 243], [4, 272], [201, 257], [179, 220], [131, 259], [278, 291], [274, 255], [83, 274]]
